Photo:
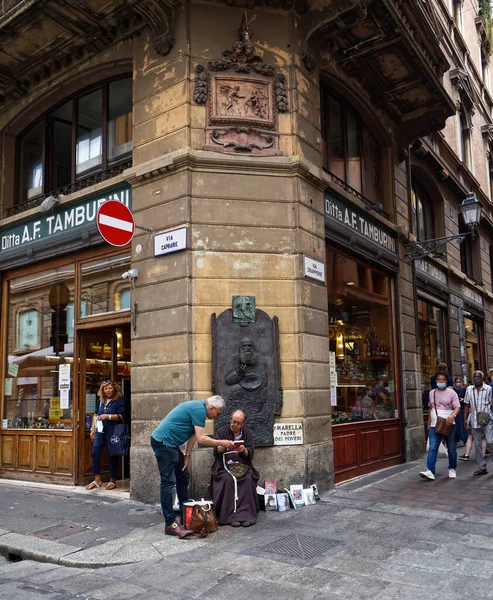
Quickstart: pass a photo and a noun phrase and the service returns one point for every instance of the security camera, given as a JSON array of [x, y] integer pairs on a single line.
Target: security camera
[[131, 274]]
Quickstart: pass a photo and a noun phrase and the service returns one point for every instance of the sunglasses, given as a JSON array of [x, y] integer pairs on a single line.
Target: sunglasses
[[107, 382]]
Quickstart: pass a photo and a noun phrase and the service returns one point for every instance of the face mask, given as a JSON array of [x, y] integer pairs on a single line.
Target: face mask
[[442, 385], [458, 385], [477, 381]]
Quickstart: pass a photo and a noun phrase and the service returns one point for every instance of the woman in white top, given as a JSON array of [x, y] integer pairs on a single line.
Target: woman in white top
[[444, 402]]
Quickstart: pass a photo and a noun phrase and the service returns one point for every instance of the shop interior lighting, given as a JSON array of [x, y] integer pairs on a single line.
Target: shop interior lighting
[[470, 209], [339, 346]]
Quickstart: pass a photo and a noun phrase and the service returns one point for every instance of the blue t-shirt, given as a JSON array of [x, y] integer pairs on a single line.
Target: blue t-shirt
[[179, 425]]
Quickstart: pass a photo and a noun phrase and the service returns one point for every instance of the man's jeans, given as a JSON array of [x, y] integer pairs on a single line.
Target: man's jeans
[[170, 465], [435, 439]]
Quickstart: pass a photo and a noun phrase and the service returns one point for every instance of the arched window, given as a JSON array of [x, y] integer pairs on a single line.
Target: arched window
[[84, 135], [350, 152], [423, 218]]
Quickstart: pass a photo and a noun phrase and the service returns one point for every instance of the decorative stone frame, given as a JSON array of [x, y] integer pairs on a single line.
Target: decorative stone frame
[[243, 97]]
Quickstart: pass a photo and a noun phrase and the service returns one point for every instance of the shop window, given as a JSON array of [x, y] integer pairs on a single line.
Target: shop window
[[86, 134], [423, 218], [432, 341], [473, 336], [37, 347], [70, 317], [102, 286], [350, 152], [360, 338]]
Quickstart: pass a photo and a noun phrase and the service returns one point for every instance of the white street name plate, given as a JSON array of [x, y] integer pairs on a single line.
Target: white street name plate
[[314, 269], [170, 241], [288, 434]]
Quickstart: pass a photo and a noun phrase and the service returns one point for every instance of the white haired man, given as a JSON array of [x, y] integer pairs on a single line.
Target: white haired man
[[478, 404], [185, 423]]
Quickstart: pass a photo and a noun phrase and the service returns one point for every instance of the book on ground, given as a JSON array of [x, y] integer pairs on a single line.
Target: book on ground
[[270, 502]]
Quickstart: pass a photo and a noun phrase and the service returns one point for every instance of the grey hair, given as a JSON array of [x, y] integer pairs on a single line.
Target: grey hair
[[478, 371], [215, 402]]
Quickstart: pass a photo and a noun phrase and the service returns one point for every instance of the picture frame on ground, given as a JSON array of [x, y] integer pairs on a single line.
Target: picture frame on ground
[[308, 497], [291, 499], [297, 491], [282, 502], [270, 502], [270, 487]]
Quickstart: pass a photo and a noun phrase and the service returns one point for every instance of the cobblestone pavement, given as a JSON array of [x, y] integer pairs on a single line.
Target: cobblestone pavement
[[389, 535]]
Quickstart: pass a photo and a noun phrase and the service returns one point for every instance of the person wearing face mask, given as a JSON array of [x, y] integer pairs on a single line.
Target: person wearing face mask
[[478, 401], [461, 432], [444, 402]]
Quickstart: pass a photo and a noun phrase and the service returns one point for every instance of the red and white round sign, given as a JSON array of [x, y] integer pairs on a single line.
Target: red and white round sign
[[115, 223]]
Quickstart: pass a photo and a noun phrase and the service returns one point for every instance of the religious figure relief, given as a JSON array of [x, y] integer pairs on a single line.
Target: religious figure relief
[[246, 370], [244, 96], [244, 309]]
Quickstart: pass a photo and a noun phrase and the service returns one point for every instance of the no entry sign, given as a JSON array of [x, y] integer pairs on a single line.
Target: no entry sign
[[115, 223]]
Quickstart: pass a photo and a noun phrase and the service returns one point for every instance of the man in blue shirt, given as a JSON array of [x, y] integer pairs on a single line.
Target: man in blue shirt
[[184, 424]]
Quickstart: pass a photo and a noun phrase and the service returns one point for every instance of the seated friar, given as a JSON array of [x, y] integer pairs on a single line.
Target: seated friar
[[234, 478]]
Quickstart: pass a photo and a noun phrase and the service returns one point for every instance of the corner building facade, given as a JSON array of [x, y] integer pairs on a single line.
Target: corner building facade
[[275, 137]]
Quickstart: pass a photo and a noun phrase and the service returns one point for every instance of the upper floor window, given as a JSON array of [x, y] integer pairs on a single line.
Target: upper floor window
[[468, 251], [86, 134], [457, 7], [423, 218], [350, 151]]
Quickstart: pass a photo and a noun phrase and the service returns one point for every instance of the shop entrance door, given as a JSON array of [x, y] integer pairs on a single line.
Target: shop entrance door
[[104, 356]]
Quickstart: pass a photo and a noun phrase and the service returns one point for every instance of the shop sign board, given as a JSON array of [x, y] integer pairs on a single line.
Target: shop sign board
[[170, 241], [64, 219], [314, 269], [336, 210], [472, 295], [288, 434], [115, 223], [431, 271]]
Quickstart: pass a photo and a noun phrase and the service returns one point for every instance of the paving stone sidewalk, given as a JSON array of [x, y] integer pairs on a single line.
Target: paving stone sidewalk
[[387, 535]]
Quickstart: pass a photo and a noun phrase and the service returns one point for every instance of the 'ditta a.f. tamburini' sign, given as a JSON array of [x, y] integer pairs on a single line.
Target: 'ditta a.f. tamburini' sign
[[63, 219]]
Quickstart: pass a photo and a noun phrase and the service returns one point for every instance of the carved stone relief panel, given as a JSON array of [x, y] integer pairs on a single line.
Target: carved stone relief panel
[[244, 97]]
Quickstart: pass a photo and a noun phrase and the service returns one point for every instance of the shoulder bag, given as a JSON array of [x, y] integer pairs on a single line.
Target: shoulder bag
[[441, 426], [119, 440]]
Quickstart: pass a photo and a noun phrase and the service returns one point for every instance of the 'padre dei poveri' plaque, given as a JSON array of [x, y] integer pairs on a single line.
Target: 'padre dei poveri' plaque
[[288, 434]]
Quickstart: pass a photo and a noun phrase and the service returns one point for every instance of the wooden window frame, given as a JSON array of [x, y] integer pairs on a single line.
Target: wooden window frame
[[48, 148]]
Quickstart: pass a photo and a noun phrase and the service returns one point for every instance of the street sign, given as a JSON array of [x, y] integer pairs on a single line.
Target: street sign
[[115, 223]]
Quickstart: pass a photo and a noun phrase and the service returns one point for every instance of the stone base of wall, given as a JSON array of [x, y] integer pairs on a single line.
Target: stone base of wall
[[287, 465], [415, 442]]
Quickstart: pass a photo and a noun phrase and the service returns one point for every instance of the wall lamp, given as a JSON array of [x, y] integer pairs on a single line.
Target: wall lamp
[[470, 209]]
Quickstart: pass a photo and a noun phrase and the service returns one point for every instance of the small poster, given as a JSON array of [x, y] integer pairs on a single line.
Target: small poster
[[55, 411], [333, 396], [332, 369], [64, 399], [5, 423], [90, 403], [391, 386], [7, 390], [64, 377], [13, 369]]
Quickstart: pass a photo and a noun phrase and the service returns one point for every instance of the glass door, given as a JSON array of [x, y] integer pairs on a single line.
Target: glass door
[[104, 356]]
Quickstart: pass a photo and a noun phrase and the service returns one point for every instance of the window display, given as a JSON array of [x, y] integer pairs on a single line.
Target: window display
[[39, 371], [360, 334], [431, 342], [473, 346]]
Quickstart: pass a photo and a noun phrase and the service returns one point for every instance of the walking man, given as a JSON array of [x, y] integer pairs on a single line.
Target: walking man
[[185, 423], [478, 404]]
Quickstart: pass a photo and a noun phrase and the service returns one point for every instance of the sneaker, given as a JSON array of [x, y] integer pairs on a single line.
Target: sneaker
[[427, 475], [452, 474], [464, 457]]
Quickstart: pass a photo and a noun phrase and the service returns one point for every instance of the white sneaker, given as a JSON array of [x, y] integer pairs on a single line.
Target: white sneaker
[[427, 475], [452, 474]]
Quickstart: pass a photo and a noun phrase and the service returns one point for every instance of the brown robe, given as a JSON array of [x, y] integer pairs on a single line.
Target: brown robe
[[223, 486]]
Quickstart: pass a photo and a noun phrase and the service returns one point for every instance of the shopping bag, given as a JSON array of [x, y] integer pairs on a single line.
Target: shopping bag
[[118, 441]]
